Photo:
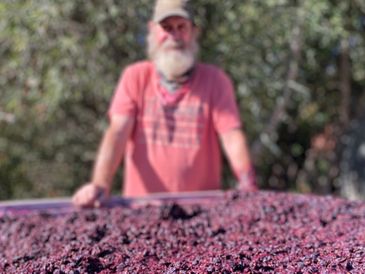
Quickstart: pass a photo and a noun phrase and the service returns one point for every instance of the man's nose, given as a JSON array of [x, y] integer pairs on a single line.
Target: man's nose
[[175, 34]]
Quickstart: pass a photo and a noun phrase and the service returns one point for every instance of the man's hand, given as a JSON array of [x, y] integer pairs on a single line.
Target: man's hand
[[89, 195], [247, 181]]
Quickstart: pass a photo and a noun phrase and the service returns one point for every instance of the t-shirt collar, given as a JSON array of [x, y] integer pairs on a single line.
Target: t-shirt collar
[[171, 92]]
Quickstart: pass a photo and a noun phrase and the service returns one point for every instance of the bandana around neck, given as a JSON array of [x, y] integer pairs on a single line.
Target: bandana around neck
[[173, 85], [170, 92]]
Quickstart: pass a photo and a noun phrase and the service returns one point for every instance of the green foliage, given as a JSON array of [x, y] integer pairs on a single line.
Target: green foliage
[[60, 61]]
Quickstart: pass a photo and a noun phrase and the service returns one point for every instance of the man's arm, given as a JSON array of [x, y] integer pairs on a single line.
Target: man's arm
[[107, 161], [235, 147]]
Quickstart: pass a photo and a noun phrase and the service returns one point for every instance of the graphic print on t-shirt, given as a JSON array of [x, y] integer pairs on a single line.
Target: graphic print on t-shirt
[[177, 126]]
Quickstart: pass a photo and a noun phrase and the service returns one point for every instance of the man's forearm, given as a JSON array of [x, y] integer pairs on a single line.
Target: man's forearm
[[236, 149], [110, 155], [107, 160]]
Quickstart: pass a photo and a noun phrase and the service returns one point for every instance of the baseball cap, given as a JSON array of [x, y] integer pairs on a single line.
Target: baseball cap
[[166, 8]]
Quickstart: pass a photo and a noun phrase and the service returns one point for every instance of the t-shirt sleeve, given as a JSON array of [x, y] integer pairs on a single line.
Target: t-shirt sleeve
[[124, 99], [225, 112]]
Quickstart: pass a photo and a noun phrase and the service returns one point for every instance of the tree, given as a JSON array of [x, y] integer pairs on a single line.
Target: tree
[[298, 69]]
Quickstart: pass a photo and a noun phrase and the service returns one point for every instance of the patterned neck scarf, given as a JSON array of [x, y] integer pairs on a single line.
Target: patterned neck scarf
[[173, 85], [170, 92]]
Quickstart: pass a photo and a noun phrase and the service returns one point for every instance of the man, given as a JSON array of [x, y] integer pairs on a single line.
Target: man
[[167, 117]]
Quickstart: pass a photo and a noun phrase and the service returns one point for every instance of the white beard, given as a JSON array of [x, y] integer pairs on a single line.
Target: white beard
[[171, 59]]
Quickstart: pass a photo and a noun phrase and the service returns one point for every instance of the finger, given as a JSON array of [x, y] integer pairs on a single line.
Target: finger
[[84, 197], [100, 197]]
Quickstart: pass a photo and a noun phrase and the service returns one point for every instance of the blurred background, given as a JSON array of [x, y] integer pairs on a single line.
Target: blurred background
[[298, 68]]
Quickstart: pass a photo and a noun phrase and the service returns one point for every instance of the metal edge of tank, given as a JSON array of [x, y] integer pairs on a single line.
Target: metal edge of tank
[[64, 204]]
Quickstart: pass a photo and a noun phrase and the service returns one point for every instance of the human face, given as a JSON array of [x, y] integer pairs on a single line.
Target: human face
[[176, 29], [172, 45]]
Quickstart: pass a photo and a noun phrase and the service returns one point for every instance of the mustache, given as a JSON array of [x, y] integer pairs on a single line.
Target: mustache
[[154, 48], [173, 44]]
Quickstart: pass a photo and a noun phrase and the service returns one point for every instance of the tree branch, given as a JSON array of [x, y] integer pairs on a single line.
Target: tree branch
[[280, 109]]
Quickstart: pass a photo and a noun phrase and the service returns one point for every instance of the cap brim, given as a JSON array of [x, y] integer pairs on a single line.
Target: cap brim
[[163, 16]]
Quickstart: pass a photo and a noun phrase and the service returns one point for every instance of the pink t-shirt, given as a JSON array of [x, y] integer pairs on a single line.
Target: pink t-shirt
[[174, 147]]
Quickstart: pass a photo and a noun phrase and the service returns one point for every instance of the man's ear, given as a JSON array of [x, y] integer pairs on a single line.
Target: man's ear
[[197, 31], [150, 25]]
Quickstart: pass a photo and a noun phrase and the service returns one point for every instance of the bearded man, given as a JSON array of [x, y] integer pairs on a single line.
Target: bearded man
[[168, 117]]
